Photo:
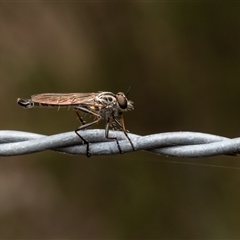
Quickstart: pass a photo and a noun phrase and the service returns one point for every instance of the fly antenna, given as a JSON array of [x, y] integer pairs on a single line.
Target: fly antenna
[[129, 88]]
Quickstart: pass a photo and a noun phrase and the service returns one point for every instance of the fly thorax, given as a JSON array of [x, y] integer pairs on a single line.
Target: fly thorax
[[107, 100]]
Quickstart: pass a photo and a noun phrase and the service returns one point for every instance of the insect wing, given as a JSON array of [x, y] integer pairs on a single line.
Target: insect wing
[[64, 99]]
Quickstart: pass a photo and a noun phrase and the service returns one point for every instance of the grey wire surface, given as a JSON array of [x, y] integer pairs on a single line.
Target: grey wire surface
[[178, 144]]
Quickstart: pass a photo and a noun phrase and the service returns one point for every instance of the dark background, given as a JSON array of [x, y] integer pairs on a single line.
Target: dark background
[[182, 61]]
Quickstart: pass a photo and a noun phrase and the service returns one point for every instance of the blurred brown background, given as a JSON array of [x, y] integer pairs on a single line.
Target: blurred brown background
[[182, 61]]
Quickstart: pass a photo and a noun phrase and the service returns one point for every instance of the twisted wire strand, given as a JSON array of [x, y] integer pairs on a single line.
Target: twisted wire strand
[[178, 144]]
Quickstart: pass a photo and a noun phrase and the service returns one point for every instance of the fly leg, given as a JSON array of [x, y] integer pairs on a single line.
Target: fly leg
[[107, 134], [83, 139], [84, 126], [79, 117], [119, 124], [122, 125]]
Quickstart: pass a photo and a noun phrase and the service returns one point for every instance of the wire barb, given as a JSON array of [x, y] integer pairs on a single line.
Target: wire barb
[[178, 144]]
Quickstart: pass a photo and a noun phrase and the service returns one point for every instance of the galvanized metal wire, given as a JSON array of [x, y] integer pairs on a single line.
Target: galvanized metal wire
[[178, 144]]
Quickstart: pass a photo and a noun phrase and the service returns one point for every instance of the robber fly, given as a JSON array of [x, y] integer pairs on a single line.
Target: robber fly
[[101, 105]]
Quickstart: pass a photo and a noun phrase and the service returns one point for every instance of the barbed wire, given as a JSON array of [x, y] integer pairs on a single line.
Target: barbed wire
[[178, 144]]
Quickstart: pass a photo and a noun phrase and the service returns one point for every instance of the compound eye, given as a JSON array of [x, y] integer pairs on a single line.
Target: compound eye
[[122, 100]]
